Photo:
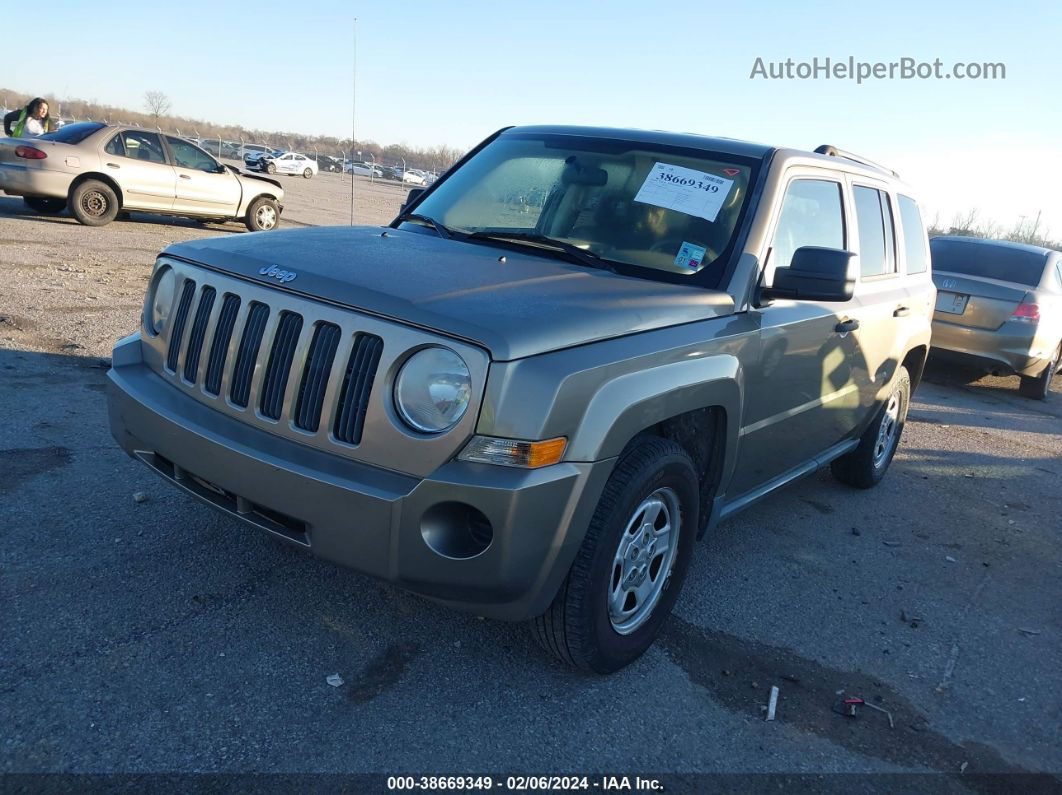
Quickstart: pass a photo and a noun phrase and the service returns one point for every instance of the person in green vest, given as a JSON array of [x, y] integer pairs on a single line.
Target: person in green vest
[[30, 121]]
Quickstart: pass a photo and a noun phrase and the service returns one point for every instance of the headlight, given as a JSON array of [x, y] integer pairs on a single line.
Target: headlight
[[162, 299], [433, 390]]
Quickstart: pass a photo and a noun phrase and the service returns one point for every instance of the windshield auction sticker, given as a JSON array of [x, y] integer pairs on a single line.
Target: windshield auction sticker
[[684, 190]]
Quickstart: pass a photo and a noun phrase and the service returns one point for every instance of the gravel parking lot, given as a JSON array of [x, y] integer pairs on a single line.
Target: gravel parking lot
[[156, 635]]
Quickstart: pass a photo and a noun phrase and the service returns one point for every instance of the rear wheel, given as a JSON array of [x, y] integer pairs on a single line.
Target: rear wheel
[[263, 214], [44, 204], [307, 173], [1040, 387], [93, 203], [631, 565], [866, 465]]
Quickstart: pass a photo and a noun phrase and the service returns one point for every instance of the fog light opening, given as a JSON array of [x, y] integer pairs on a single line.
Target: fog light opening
[[455, 530]]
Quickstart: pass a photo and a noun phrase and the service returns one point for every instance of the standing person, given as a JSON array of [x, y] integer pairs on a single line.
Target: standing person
[[30, 121]]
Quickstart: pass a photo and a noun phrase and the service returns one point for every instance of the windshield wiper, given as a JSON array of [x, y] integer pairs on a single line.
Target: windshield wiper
[[441, 230], [580, 255]]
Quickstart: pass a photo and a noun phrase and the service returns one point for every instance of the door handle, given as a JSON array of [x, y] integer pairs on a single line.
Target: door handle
[[184, 176], [902, 311], [113, 165], [846, 325]]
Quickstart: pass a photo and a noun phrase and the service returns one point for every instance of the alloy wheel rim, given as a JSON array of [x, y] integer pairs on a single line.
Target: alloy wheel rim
[[890, 421], [644, 559]]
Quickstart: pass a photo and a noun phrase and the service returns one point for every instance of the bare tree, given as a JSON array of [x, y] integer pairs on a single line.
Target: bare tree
[[157, 103]]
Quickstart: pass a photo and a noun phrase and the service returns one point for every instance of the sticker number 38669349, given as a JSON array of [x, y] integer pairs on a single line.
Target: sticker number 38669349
[[685, 190]]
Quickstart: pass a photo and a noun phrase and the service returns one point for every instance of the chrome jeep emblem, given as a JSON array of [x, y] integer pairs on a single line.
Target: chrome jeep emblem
[[279, 274]]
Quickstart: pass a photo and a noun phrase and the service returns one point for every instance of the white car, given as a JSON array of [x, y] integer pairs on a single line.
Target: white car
[[414, 177], [287, 163], [364, 169]]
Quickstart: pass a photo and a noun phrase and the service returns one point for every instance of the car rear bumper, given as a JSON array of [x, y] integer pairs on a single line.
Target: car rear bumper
[[370, 519], [1011, 349], [18, 180]]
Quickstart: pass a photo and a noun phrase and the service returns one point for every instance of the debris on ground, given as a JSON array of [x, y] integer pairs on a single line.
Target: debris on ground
[[335, 680], [850, 704], [140, 496], [949, 558], [1027, 631], [772, 704], [913, 621], [891, 543]]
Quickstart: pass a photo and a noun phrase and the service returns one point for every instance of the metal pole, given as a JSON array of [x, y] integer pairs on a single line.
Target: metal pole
[[353, 114]]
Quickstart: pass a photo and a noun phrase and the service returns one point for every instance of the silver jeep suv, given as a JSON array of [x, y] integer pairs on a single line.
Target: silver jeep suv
[[557, 368]]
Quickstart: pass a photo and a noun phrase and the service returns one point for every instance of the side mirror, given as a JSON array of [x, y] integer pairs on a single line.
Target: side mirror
[[411, 197], [815, 274]]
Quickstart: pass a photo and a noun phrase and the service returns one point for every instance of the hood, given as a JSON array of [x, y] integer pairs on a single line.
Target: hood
[[524, 306], [258, 178]]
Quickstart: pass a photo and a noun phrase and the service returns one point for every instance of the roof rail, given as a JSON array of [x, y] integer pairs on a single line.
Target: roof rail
[[833, 151]]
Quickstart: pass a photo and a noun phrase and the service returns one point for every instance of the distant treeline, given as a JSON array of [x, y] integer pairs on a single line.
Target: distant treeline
[[1026, 230], [436, 159]]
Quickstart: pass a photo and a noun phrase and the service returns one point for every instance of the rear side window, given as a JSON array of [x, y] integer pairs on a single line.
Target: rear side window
[[115, 146], [812, 215], [914, 236], [877, 255], [143, 146], [988, 260]]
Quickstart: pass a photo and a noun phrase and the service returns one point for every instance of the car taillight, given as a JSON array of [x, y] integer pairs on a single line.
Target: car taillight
[[1026, 313], [30, 153]]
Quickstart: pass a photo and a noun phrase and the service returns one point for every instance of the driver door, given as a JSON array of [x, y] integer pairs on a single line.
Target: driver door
[[203, 186], [803, 395]]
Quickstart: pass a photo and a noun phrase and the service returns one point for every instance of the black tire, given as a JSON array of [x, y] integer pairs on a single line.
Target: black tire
[[867, 464], [307, 173], [271, 169], [94, 203], [44, 204], [257, 215], [578, 628], [1039, 388]]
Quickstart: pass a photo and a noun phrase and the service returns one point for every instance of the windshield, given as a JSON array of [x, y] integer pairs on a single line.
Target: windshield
[[631, 203], [988, 261], [73, 133]]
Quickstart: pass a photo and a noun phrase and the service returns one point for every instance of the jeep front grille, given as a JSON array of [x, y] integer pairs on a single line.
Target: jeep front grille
[[300, 368], [278, 355]]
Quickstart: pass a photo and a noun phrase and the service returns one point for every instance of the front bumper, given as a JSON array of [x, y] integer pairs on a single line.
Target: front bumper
[[357, 515], [1011, 349], [17, 180]]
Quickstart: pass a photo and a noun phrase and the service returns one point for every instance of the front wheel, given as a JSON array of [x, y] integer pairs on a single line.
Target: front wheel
[[93, 203], [631, 565], [1040, 387], [263, 214], [866, 465], [44, 204], [271, 169]]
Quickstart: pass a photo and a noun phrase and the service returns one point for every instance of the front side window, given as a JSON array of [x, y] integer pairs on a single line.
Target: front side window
[[187, 155], [812, 215], [143, 146], [638, 205], [876, 242], [914, 236]]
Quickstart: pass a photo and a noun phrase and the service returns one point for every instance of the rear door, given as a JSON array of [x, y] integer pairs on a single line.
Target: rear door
[[882, 294], [203, 187], [137, 161]]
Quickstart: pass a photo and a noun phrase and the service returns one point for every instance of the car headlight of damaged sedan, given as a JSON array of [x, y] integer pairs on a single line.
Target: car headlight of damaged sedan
[[162, 299], [433, 390]]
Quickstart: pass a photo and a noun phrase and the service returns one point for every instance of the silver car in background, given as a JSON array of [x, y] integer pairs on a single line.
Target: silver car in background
[[97, 170], [999, 307]]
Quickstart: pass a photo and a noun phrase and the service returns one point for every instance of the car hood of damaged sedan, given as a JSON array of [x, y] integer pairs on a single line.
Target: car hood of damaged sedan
[[526, 305]]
